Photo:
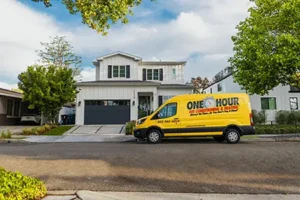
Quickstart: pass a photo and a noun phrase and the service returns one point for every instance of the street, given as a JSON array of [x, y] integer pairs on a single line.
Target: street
[[194, 166]]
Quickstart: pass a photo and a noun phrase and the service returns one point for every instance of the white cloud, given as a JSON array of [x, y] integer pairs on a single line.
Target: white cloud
[[201, 34], [8, 86], [88, 74]]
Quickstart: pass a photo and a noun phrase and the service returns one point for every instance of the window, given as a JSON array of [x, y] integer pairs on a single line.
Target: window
[[174, 73], [155, 74], [149, 74], [168, 111], [122, 72], [220, 87], [211, 90], [268, 103], [294, 103], [152, 74], [107, 103], [119, 71], [13, 108], [116, 71], [10, 107]]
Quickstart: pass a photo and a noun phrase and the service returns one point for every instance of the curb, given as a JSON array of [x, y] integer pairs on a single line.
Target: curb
[[62, 192], [13, 141]]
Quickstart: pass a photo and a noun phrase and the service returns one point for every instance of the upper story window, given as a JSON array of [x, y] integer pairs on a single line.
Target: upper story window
[[220, 88], [153, 74], [294, 103], [118, 71], [211, 90], [174, 73]]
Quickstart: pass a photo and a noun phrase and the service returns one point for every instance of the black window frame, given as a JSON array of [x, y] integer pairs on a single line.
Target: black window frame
[[11, 110], [120, 71], [297, 104], [268, 106]]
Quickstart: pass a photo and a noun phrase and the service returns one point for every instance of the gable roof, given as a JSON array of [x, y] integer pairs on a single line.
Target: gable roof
[[117, 53]]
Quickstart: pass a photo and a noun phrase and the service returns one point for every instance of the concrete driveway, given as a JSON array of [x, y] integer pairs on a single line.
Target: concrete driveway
[[97, 130]]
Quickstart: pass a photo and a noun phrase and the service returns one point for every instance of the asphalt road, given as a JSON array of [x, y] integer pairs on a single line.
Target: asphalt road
[[173, 166]]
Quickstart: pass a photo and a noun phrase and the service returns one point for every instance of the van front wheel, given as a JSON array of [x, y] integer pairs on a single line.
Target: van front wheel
[[232, 136], [154, 136]]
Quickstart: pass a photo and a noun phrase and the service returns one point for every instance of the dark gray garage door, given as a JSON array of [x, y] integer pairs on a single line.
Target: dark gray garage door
[[106, 112]]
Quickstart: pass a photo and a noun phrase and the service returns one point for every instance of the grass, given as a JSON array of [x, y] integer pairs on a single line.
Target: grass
[[250, 136], [59, 130]]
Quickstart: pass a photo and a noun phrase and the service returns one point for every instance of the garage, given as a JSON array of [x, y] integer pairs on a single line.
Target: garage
[[106, 112]]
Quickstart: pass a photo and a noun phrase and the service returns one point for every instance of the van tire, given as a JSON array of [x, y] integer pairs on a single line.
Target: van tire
[[154, 136], [219, 138], [232, 136]]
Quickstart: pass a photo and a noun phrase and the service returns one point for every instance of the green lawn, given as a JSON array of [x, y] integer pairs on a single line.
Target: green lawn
[[59, 130]]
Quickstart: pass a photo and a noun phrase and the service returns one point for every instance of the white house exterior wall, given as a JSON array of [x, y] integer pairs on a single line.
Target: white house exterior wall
[[112, 93], [117, 60], [173, 92], [167, 73], [281, 93]]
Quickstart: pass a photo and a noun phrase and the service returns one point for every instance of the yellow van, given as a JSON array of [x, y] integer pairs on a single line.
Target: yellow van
[[224, 116]]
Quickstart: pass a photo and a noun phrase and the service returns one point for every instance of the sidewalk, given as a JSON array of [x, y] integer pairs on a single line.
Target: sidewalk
[[88, 195]]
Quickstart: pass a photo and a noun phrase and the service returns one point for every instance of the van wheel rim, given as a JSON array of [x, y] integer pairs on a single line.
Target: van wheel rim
[[154, 137], [233, 136]]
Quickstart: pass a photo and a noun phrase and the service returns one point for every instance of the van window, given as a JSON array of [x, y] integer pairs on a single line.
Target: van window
[[168, 110]]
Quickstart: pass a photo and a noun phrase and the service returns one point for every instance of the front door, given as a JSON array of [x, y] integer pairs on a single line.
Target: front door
[[168, 118]]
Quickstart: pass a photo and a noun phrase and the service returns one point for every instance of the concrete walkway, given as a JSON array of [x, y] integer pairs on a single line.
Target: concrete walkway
[[97, 130], [88, 195]]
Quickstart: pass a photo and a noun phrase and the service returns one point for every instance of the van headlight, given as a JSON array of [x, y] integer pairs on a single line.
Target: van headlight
[[140, 121]]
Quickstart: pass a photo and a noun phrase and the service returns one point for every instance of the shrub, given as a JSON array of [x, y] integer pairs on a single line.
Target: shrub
[[15, 186], [6, 135], [27, 131], [41, 130], [260, 131], [47, 127], [259, 117], [281, 117], [255, 117], [129, 127], [34, 131], [53, 126], [292, 117]]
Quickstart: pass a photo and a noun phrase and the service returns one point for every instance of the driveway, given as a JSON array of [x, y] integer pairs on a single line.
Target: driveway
[[97, 130], [184, 166]]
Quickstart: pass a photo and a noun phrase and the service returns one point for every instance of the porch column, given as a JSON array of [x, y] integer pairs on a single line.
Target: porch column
[[155, 101]]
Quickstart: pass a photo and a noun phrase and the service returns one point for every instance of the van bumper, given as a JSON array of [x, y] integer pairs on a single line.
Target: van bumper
[[140, 133], [248, 130]]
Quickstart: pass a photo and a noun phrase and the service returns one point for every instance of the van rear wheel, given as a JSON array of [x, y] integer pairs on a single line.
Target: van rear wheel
[[219, 138], [154, 136], [232, 136]]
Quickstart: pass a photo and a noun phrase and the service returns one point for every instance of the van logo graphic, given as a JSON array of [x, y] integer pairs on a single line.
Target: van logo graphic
[[210, 105]]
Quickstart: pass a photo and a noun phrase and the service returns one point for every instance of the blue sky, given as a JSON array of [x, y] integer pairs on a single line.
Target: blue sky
[[197, 31]]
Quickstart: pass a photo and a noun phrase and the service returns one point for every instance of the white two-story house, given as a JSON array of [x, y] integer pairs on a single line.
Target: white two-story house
[[127, 88]]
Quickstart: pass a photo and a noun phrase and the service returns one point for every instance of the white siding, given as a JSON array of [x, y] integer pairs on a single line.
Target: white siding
[[110, 92], [281, 93], [118, 60], [168, 77], [173, 92]]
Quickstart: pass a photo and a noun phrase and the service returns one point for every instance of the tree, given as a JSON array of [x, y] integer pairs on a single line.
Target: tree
[[59, 52], [98, 14], [267, 46], [200, 84], [47, 88]]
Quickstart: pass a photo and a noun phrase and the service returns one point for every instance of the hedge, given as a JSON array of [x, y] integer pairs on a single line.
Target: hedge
[[276, 130], [129, 127], [39, 130], [15, 186]]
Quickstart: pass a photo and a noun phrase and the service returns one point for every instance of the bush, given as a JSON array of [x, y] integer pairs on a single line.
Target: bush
[[47, 127], [275, 130], [259, 117], [14, 186], [6, 135], [292, 117], [53, 126], [34, 131], [41, 130], [282, 117], [27, 131], [129, 127]]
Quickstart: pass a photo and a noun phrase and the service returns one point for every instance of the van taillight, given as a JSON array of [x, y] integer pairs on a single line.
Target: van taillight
[[251, 119]]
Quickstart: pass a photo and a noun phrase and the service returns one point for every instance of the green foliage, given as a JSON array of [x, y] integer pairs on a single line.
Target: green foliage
[[60, 130], [41, 130], [129, 127], [27, 131], [259, 117], [59, 52], [99, 14], [47, 88], [267, 46], [47, 127], [268, 129], [15, 186], [281, 117], [6, 135]]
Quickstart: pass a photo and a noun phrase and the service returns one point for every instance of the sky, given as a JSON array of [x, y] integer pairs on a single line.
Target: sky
[[196, 31]]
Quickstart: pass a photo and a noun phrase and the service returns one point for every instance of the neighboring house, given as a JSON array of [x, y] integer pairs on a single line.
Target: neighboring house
[[10, 107], [280, 98], [127, 88]]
